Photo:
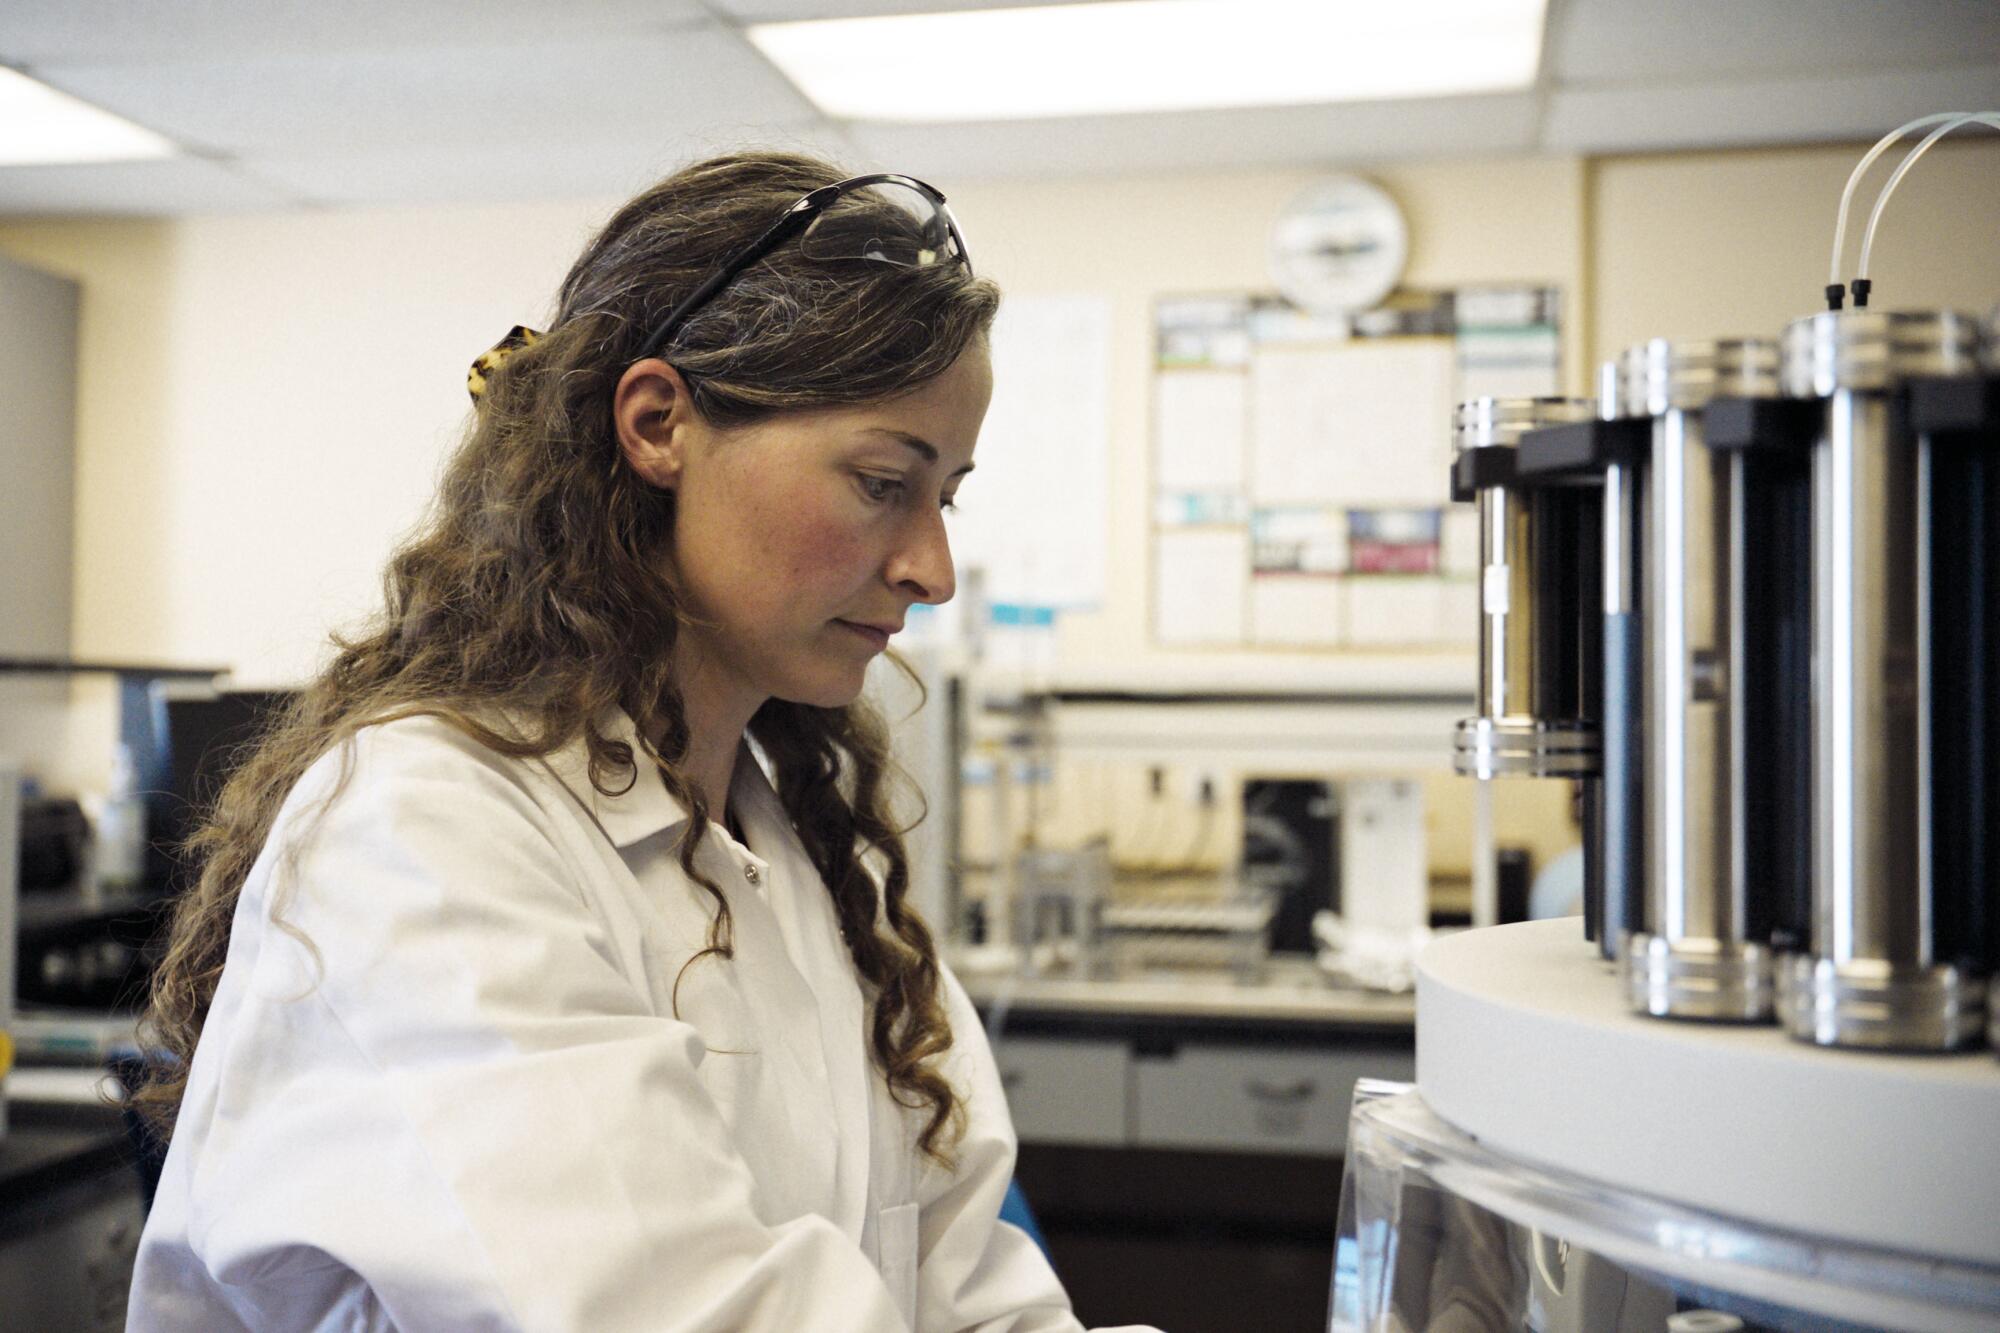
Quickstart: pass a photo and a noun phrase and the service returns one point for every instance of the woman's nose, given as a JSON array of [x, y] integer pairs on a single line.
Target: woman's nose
[[922, 565]]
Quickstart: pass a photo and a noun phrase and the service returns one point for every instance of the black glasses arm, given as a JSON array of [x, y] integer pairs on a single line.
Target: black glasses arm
[[796, 219]]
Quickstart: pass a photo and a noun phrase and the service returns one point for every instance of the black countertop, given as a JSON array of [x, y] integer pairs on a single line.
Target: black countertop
[[48, 1147]]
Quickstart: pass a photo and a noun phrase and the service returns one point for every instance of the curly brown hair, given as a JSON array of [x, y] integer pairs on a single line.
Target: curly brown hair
[[541, 565]]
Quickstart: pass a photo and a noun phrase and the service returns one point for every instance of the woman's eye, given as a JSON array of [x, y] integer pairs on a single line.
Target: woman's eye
[[879, 489]]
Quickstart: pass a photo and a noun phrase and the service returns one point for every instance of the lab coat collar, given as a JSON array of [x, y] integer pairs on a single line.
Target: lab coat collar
[[646, 807], [819, 988]]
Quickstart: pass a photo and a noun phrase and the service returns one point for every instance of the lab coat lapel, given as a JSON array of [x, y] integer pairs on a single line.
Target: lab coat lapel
[[789, 954], [626, 816], [803, 909]]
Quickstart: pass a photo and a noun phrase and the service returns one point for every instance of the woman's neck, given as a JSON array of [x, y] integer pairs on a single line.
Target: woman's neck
[[710, 765], [716, 716]]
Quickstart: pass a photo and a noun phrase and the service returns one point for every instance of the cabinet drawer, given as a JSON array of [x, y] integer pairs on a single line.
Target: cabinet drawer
[[1066, 1091], [1250, 1100]]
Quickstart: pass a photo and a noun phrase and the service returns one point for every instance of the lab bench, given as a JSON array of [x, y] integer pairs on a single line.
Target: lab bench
[[70, 1217], [1169, 1062], [1181, 1136]]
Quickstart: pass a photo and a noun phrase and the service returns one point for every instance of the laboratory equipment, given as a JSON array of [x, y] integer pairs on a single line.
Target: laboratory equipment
[[1607, 454], [1355, 846], [1616, 900], [1384, 855], [208, 733], [1535, 716], [1705, 951], [1798, 747], [118, 863], [920, 695], [1060, 896], [1291, 845], [1539, 696], [1721, 1171], [1792, 672], [1895, 960], [1220, 926]]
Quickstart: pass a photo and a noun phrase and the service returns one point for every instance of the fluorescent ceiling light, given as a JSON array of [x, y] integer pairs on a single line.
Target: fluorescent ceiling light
[[1154, 55], [40, 125]]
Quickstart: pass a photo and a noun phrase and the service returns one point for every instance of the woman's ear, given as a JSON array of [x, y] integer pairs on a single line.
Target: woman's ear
[[655, 417]]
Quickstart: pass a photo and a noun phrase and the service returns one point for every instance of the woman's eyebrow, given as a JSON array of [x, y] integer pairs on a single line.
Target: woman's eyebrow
[[922, 446]]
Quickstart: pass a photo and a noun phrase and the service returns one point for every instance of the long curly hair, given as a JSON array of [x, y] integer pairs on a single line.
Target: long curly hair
[[541, 564]]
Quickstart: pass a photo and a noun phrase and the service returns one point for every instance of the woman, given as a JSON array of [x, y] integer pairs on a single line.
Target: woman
[[513, 993]]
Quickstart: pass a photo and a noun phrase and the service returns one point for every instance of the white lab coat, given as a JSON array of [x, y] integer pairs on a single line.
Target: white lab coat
[[459, 1097]]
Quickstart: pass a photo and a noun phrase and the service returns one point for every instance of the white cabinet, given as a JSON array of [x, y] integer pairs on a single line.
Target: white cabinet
[[1248, 1099], [1198, 1095], [1066, 1091]]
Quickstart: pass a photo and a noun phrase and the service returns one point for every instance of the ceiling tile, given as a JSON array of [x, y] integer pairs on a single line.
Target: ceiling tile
[[1646, 41], [1253, 137], [777, 11], [1617, 120], [566, 91], [102, 32], [159, 188], [514, 172]]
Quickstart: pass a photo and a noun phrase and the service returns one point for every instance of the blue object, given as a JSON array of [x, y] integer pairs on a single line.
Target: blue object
[[1014, 1208], [1558, 890]]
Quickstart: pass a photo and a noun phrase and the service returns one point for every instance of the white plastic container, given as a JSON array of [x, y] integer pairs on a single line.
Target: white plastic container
[[119, 863]]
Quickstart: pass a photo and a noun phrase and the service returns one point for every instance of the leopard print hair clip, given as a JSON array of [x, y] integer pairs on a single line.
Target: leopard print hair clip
[[495, 356]]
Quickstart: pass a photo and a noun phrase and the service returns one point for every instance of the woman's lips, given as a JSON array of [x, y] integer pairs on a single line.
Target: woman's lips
[[878, 637]]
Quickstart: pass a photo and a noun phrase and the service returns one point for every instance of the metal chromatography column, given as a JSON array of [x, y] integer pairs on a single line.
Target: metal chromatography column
[[1538, 696], [1603, 461], [1881, 973], [1705, 950], [1531, 718]]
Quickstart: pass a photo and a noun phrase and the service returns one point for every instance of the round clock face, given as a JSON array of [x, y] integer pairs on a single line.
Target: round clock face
[[1339, 247]]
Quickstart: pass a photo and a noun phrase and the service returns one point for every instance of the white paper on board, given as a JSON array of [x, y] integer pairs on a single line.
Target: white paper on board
[[1199, 426], [1296, 610], [1363, 424], [1508, 363], [1034, 514], [1199, 582], [1391, 611]]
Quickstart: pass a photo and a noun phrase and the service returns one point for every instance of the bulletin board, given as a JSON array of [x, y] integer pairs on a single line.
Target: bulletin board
[[1300, 498]]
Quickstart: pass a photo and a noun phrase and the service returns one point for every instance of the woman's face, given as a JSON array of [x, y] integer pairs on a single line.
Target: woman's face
[[801, 542]]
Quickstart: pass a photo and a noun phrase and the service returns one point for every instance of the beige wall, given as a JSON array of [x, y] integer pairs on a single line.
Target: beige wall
[[1736, 244], [1134, 240], [264, 402], [265, 399]]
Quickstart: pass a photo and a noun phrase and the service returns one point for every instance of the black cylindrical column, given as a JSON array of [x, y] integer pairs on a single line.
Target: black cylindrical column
[[1887, 967], [1700, 953], [1957, 421], [1535, 704]]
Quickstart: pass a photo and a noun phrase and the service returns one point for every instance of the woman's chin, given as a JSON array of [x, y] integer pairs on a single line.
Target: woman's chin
[[828, 689]]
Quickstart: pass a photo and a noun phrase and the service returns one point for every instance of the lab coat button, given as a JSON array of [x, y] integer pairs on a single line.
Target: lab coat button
[[750, 873]]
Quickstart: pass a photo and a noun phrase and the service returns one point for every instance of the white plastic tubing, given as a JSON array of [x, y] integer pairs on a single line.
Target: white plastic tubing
[[1945, 122]]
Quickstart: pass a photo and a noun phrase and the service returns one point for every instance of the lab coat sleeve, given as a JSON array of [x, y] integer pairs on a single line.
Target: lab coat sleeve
[[445, 1085], [976, 1272]]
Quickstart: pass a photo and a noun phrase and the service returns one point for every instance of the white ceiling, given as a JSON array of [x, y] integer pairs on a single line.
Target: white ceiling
[[323, 103]]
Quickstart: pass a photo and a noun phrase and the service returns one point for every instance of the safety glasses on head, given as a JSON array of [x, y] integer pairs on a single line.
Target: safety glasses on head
[[883, 218]]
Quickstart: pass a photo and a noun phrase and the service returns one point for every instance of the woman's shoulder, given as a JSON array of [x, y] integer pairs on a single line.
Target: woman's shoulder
[[425, 813], [400, 766], [417, 743]]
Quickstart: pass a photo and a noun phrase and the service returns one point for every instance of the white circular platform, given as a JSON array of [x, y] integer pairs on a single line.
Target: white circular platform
[[1524, 1042]]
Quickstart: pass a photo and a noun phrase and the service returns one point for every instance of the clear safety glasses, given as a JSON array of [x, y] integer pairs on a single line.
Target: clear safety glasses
[[884, 218]]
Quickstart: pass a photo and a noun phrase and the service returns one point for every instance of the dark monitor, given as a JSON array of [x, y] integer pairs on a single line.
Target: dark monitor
[[206, 739]]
